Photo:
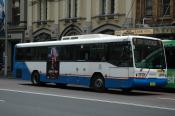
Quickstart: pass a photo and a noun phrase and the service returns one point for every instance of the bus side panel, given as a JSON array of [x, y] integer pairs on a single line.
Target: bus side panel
[[120, 78], [14, 63], [78, 72], [38, 66], [24, 70], [133, 82], [21, 71], [118, 83], [68, 79], [136, 82]]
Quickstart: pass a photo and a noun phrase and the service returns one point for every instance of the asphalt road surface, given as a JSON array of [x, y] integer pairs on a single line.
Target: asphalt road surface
[[20, 98]]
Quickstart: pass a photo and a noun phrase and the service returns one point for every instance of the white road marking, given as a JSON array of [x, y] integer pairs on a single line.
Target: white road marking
[[173, 99], [91, 99], [2, 100]]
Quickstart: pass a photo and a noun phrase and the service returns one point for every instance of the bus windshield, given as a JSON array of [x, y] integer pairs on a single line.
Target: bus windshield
[[149, 54]]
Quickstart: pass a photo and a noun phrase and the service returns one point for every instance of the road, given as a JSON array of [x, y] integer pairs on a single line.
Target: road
[[20, 98]]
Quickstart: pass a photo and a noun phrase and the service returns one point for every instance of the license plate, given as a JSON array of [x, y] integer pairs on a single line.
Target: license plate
[[152, 84]]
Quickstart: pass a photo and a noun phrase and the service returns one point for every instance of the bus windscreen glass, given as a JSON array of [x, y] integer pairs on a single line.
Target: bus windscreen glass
[[149, 54]]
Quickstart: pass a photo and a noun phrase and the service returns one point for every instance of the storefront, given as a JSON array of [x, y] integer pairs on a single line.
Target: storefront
[[12, 40], [165, 32]]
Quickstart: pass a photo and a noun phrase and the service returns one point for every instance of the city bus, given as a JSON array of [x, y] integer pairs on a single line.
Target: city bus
[[98, 61], [170, 57]]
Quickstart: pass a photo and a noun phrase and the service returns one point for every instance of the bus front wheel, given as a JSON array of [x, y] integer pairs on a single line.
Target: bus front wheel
[[35, 78]]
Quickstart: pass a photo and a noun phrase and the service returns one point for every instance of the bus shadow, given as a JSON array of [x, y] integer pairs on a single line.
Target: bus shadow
[[162, 90], [134, 92], [108, 91]]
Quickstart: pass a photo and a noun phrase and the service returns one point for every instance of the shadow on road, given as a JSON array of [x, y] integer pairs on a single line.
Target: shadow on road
[[137, 92]]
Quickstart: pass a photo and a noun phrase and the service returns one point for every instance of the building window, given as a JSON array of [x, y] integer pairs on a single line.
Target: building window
[[69, 9], [42, 10], [112, 6], [15, 12], [165, 7], [148, 7], [42, 37], [107, 7], [73, 32], [39, 10], [103, 7], [72, 8], [75, 7], [45, 10]]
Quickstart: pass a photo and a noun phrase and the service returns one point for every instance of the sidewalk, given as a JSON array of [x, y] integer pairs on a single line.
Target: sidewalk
[[9, 74]]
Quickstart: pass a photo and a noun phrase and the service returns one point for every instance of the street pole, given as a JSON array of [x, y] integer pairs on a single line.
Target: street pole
[[6, 42]]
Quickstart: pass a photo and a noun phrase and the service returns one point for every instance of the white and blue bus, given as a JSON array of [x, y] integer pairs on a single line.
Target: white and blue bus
[[96, 60]]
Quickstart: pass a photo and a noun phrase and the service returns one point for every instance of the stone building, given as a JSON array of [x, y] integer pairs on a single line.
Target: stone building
[[52, 19], [16, 17], [48, 20]]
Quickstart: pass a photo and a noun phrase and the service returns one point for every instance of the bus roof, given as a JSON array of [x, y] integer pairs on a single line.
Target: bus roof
[[86, 36], [83, 39]]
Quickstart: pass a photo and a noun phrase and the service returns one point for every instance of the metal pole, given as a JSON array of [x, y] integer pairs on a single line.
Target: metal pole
[[143, 22], [6, 42]]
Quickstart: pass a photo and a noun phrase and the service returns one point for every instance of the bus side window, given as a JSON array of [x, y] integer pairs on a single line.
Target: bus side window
[[119, 54], [82, 53], [98, 52], [86, 56]]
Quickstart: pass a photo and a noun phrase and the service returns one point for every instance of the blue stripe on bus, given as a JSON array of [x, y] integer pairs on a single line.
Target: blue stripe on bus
[[79, 80], [138, 82], [135, 82]]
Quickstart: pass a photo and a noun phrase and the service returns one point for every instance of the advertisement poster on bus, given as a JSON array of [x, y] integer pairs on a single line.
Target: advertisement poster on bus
[[52, 63], [2, 17]]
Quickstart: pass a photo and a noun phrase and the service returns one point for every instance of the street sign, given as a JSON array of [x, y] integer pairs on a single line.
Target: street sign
[[134, 32]]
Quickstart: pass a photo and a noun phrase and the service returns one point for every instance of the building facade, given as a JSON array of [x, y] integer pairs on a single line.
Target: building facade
[[48, 20], [156, 12], [16, 17], [158, 15], [52, 19]]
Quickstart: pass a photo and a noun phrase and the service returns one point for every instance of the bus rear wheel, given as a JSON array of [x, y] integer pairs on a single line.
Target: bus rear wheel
[[35, 78], [98, 83]]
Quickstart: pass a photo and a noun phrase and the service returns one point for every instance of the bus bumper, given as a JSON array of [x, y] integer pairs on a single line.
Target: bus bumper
[[149, 82]]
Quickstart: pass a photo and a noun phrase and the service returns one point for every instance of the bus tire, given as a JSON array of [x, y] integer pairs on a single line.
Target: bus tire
[[98, 82], [35, 79]]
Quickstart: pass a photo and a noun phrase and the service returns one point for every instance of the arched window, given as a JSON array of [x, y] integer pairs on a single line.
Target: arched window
[[42, 37]]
